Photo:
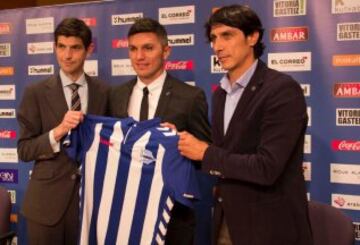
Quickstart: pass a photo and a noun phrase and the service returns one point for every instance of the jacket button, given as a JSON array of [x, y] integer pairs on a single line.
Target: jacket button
[[220, 199], [73, 176]]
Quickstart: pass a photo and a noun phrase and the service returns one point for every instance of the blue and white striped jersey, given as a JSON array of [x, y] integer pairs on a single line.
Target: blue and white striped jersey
[[132, 173]]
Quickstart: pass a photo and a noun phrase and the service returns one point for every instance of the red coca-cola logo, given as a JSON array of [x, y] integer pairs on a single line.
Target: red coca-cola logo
[[120, 43], [179, 65], [7, 134], [345, 145]]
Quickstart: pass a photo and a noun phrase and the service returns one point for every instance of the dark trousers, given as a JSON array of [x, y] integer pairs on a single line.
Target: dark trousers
[[221, 235], [65, 232], [224, 235], [181, 227]]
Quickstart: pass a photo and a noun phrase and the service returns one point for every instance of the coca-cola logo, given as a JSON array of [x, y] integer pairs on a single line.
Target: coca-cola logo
[[345, 145], [7, 134], [340, 201], [179, 65]]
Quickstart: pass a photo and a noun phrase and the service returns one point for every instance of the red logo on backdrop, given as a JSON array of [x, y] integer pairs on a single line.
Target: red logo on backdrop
[[345, 145], [7, 134], [289, 34], [120, 43], [89, 21], [179, 65], [347, 90], [5, 28], [340, 201]]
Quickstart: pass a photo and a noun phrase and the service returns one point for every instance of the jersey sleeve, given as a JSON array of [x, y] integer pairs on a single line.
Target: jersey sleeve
[[180, 175], [77, 141], [72, 143]]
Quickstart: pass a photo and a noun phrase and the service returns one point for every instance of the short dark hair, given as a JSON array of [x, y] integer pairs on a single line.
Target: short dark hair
[[73, 27], [149, 25], [241, 17]]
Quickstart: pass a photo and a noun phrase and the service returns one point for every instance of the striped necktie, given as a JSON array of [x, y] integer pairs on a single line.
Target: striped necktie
[[75, 98]]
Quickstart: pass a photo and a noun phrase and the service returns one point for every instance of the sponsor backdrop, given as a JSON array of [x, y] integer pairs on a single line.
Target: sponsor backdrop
[[316, 42]]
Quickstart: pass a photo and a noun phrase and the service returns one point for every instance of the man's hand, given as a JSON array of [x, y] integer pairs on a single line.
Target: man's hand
[[191, 147], [71, 120]]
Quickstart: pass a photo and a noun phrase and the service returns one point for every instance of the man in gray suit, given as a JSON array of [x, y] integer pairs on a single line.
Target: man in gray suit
[[48, 111], [164, 96]]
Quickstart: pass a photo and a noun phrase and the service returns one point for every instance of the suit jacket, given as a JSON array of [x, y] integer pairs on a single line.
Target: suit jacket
[[53, 177], [186, 107], [261, 189], [179, 103]]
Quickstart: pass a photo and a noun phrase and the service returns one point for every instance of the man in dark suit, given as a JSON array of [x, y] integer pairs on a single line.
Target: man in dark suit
[[48, 111], [165, 97], [258, 126]]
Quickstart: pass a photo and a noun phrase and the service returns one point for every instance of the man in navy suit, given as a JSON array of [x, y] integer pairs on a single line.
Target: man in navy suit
[[258, 125]]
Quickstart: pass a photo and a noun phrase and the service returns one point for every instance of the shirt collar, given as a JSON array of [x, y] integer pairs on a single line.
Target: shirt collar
[[154, 85], [241, 82], [66, 81]]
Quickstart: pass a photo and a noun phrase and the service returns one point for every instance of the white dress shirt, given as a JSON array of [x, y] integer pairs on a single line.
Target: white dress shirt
[[155, 89], [83, 92], [234, 92]]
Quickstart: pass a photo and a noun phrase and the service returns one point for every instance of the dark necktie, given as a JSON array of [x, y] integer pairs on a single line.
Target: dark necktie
[[144, 109], [75, 98]]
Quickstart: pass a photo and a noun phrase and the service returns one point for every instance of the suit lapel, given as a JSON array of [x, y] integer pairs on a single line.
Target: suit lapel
[[125, 98], [92, 98], [164, 97], [55, 97], [247, 96], [218, 113]]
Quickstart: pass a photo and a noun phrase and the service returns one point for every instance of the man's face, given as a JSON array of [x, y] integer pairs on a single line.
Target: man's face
[[147, 55], [234, 51], [71, 55]]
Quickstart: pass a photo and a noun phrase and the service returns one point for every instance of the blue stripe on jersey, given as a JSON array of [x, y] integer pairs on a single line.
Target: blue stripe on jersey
[[120, 187], [99, 177], [148, 168]]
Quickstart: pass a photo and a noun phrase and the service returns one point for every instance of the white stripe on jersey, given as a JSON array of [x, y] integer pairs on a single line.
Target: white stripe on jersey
[[156, 190], [131, 191], [109, 182], [91, 156]]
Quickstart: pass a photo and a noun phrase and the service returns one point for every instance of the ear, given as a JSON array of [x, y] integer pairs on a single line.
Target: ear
[[253, 38], [166, 51], [90, 50]]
